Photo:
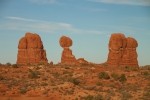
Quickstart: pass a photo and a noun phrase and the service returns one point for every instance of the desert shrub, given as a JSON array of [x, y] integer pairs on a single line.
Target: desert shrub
[[146, 94], [41, 63], [131, 68], [91, 97], [146, 67], [15, 66], [103, 75], [145, 73], [122, 78], [56, 74], [44, 84], [126, 95], [99, 84], [74, 81], [23, 90], [8, 64], [34, 74], [115, 76]]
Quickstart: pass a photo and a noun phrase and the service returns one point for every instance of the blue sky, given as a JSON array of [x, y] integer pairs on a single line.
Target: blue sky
[[88, 22]]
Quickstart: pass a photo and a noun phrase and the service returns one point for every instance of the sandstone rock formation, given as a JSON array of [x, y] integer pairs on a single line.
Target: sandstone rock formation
[[67, 56], [129, 56], [30, 50], [82, 61], [122, 51]]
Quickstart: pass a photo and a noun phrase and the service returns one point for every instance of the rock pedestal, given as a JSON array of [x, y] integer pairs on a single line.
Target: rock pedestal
[[67, 56], [30, 50]]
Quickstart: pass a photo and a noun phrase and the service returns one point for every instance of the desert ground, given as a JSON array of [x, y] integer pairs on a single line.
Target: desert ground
[[74, 82]]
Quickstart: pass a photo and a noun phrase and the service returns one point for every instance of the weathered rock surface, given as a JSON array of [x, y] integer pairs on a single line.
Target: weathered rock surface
[[117, 43], [122, 50], [30, 50], [82, 61], [67, 56], [129, 56]]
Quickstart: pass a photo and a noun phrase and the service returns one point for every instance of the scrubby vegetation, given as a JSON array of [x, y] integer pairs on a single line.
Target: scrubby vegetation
[[61, 82], [103, 75]]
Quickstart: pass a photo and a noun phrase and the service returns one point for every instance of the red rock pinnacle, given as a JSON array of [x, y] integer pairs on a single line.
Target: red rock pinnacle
[[67, 56], [122, 51], [30, 50]]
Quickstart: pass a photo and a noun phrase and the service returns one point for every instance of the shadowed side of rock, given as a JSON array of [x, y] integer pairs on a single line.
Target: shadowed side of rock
[[30, 50]]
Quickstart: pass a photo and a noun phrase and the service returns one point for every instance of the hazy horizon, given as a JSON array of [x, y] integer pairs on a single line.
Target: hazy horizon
[[89, 23]]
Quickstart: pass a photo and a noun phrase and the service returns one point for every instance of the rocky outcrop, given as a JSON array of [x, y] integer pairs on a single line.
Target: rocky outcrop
[[129, 56], [122, 51], [30, 50], [67, 56], [82, 61]]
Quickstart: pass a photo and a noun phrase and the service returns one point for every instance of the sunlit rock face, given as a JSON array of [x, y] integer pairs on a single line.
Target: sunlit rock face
[[129, 57], [31, 50], [122, 51]]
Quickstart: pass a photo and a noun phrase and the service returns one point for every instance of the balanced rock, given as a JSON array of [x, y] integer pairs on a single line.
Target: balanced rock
[[30, 50], [122, 51], [67, 56], [65, 41]]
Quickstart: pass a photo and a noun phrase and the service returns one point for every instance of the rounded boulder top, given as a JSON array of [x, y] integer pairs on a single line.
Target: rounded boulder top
[[117, 41], [65, 41], [131, 43]]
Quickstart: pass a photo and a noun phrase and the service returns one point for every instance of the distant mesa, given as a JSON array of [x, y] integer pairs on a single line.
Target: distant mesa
[[31, 50], [122, 51]]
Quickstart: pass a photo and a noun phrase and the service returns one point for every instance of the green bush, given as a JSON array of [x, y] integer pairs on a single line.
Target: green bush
[[99, 84], [131, 68], [74, 81], [115, 76], [122, 78], [91, 97], [34, 74], [23, 90], [15, 66], [8, 64], [103, 75], [126, 95]]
